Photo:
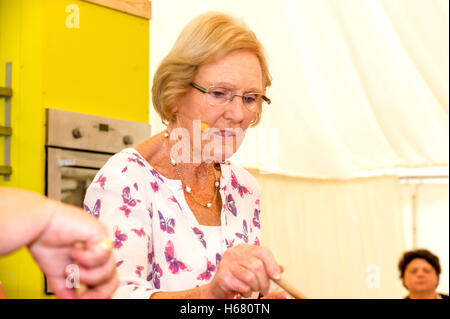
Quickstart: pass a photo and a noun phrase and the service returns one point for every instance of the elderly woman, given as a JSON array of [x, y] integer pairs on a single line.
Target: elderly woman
[[184, 221]]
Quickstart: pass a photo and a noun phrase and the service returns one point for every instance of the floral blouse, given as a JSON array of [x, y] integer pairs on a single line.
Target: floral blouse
[[158, 243]]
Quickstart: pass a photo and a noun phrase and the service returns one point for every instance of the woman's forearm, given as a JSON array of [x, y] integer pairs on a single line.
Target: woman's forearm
[[24, 215]]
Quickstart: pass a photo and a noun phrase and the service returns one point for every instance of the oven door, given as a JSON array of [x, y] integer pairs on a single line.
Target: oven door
[[69, 174]]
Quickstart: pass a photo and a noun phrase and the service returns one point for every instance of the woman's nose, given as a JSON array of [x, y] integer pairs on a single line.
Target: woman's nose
[[235, 109]]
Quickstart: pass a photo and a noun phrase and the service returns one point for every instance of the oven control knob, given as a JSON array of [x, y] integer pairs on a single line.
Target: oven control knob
[[127, 140], [76, 133]]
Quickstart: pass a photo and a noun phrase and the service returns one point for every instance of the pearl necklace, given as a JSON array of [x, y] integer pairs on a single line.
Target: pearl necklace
[[187, 189]]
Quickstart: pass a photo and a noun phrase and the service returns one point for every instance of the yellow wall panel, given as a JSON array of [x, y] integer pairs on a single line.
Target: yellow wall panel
[[100, 68]]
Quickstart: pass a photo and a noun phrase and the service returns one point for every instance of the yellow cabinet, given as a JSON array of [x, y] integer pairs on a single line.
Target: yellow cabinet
[[81, 56]]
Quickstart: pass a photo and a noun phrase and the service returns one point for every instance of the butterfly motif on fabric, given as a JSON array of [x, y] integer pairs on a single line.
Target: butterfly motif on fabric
[[156, 174], [242, 190], [173, 199], [150, 210], [200, 236], [139, 270], [174, 264], [150, 257], [230, 204], [218, 259], [206, 275], [229, 243], [256, 242], [119, 239], [126, 210], [102, 180], [155, 186], [139, 232], [136, 160], [256, 218], [167, 225], [120, 262], [154, 276], [124, 169], [127, 199], [135, 185], [244, 234], [95, 210]]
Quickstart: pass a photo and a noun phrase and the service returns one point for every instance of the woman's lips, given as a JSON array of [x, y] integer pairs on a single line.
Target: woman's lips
[[225, 133]]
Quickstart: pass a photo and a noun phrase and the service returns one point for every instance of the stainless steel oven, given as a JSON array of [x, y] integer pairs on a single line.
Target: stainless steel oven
[[77, 146]]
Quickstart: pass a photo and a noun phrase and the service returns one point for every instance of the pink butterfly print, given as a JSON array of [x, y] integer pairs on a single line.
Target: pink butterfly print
[[139, 270], [155, 186], [166, 225], [120, 237], [101, 179], [257, 243], [173, 199], [127, 199], [139, 232], [154, 276], [135, 185], [200, 235], [150, 257], [229, 243], [230, 204], [208, 272], [120, 262], [218, 259], [174, 264], [150, 211], [136, 160], [156, 174], [241, 189], [124, 169], [126, 210], [256, 218], [96, 210], [243, 235]]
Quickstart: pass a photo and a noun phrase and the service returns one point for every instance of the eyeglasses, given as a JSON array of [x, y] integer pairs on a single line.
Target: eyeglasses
[[219, 96]]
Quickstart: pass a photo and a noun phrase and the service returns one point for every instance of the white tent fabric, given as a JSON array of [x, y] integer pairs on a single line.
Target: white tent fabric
[[358, 85]]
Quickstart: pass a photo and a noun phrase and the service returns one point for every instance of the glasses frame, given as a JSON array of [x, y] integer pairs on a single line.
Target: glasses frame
[[207, 91]]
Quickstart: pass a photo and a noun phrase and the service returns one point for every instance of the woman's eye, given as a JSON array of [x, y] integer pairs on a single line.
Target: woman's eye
[[218, 93], [249, 98]]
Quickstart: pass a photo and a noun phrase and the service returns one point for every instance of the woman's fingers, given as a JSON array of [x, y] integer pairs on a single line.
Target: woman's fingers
[[257, 268], [251, 265], [271, 266], [98, 275], [104, 290]]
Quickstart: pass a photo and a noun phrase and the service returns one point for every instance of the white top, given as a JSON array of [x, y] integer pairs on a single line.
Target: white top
[[158, 243]]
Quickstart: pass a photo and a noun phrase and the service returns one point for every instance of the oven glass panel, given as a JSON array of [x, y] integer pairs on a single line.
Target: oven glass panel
[[74, 184]]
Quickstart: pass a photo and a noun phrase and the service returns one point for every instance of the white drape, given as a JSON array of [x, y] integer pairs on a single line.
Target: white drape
[[335, 239], [357, 84]]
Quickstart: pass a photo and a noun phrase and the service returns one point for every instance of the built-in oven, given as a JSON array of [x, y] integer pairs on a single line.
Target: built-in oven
[[77, 146]]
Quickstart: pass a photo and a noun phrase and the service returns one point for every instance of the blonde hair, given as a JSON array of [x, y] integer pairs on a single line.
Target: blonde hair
[[205, 39]]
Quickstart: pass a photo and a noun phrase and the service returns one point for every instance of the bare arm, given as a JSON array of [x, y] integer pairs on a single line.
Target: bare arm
[[51, 231], [24, 216]]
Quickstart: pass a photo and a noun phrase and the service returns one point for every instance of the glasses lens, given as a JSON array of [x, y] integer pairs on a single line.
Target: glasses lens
[[219, 96], [252, 101]]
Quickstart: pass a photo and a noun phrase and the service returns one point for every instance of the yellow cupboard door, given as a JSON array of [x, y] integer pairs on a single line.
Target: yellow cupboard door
[[95, 60]]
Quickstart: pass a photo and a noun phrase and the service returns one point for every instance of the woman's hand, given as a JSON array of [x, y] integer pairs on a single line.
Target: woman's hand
[[72, 237], [244, 269]]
